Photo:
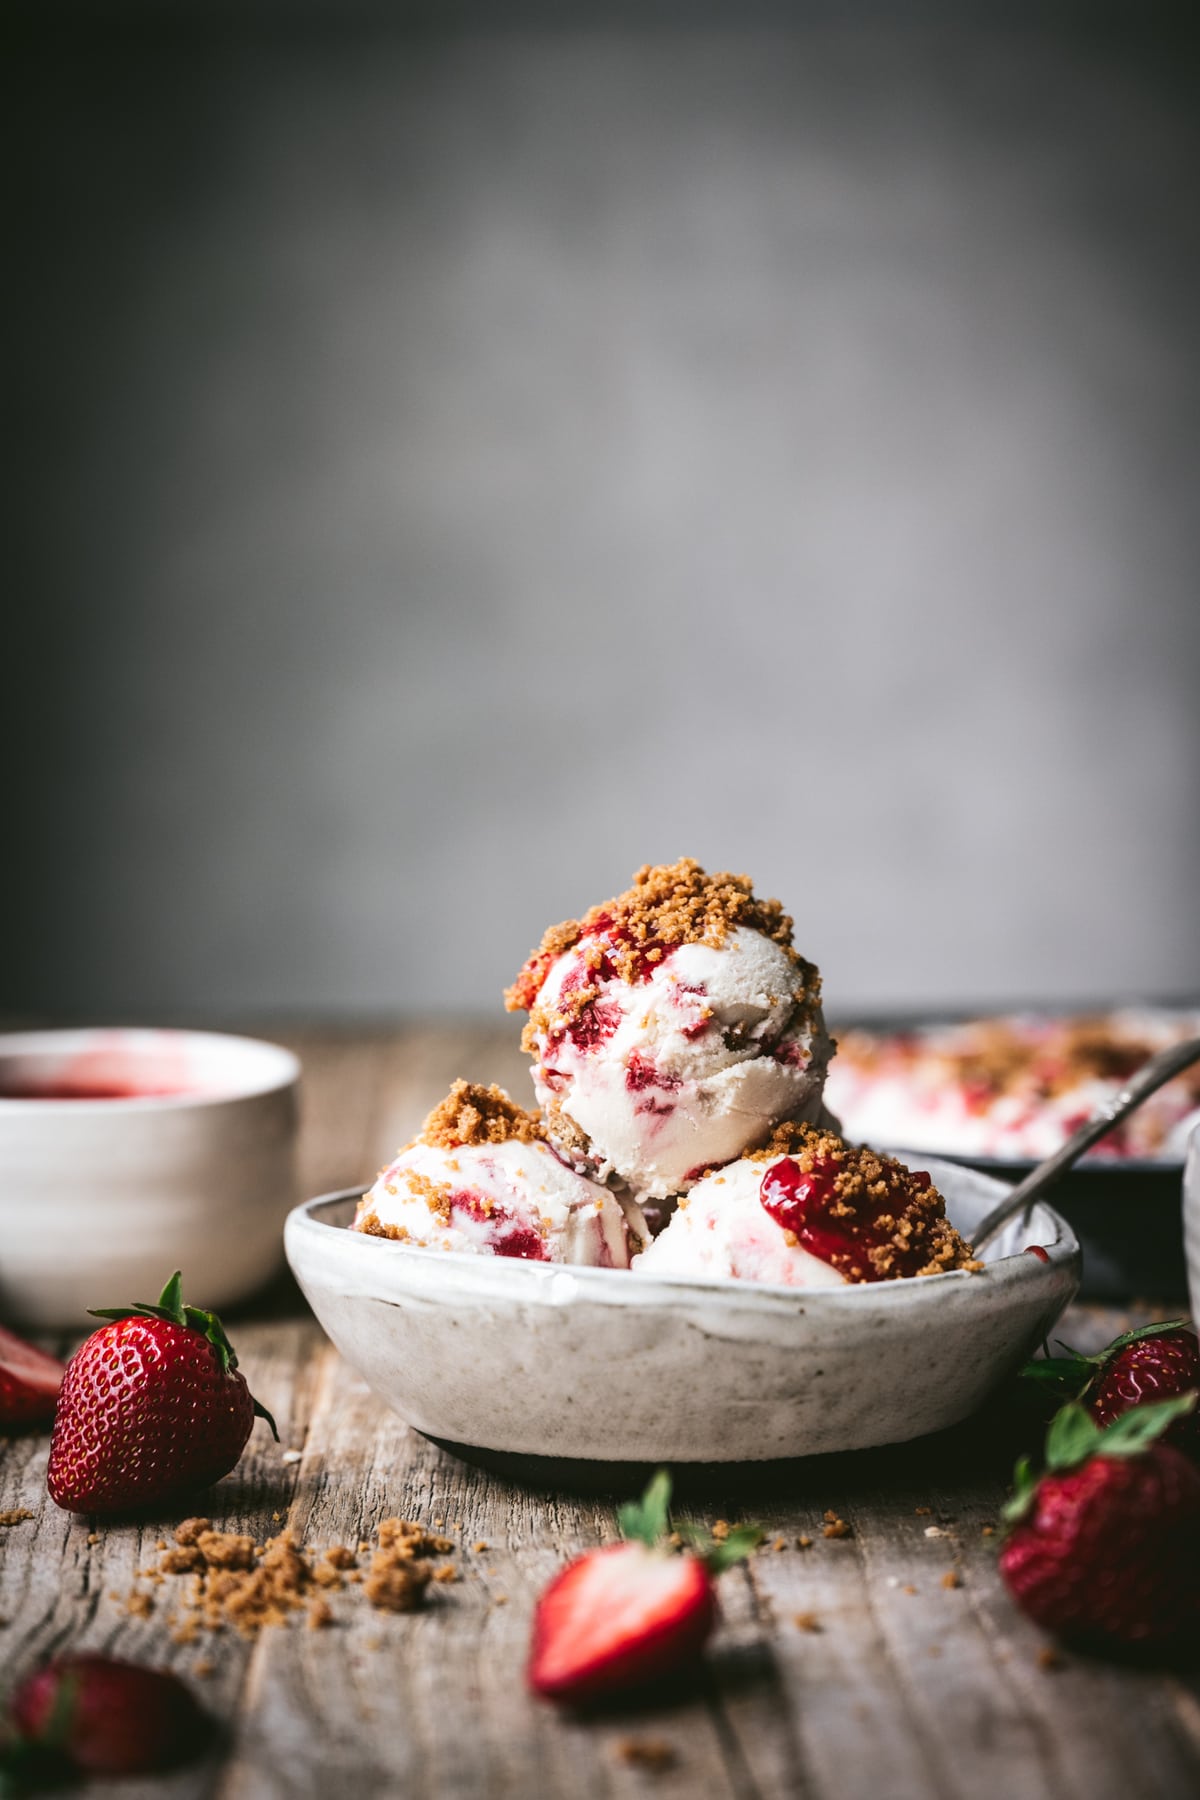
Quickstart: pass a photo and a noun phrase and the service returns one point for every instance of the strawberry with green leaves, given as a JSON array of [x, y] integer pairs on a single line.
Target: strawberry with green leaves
[[1104, 1548], [153, 1405], [630, 1614], [1155, 1362]]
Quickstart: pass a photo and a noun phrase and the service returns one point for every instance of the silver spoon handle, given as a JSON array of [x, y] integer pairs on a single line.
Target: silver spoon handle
[[1151, 1076]]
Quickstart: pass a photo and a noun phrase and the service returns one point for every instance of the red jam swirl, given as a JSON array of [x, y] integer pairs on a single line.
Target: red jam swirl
[[841, 1233]]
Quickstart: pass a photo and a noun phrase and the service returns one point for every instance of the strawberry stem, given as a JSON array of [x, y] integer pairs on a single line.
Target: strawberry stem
[[648, 1521], [170, 1307]]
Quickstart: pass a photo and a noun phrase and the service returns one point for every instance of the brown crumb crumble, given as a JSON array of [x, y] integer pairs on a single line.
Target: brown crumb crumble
[[951, 1579], [16, 1515], [808, 1621], [1048, 1658], [235, 1581], [655, 1755], [668, 904], [918, 1237], [835, 1527], [471, 1114]]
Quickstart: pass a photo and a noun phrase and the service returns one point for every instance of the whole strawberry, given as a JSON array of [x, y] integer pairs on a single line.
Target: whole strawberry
[[630, 1614], [1105, 1547], [29, 1382], [152, 1405], [94, 1715], [1156, 1362]]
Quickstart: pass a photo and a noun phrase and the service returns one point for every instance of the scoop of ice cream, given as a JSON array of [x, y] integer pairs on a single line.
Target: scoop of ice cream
[[809, 1211], [481, 1177], [671, 1029]]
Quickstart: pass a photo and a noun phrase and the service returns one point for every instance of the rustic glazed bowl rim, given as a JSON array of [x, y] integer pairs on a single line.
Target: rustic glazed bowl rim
[[559, 1282]]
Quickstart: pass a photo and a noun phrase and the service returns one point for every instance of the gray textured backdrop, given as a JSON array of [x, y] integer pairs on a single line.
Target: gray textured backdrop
[[450, 471]]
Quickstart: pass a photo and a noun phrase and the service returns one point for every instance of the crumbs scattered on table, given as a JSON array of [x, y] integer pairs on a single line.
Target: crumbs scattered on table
[[721, 1530], [987, 1531], [935, 1531], [951, 1579], [16, 1515], [655, 1755], [807, 1621], [804, 1543], [909, 1588], [835, 1527], [1049, 1658], [234, 1581], [923, 1512], [480, 1546]]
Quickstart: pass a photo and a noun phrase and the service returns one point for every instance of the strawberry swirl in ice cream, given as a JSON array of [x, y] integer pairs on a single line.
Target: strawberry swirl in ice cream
[[481, 1177], [809, 1210], [672, 1028]]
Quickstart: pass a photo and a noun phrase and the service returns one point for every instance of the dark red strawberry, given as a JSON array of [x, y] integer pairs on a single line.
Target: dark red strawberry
[[91, 1714], [632, 1613], [152, 1405], [1155, 1362], [29, 1382], [1105, 1547]]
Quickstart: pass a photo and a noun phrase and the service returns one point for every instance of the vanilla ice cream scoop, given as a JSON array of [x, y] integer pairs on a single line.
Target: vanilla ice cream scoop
[[482, 1177], [672, 1029], [809, 1211]]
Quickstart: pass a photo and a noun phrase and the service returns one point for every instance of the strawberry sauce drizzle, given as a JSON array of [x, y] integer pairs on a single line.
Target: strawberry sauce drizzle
[[806, 1203]]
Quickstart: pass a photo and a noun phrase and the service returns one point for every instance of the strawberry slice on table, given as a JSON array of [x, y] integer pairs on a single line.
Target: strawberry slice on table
[[632, 1613], [153, 1405], [29, 1382], [94, 1715], [1105, 1547], [1155, 1362]]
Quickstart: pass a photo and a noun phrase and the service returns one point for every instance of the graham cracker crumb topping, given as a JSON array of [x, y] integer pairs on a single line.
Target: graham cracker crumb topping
[[471, 1114], [901, 1215], [669, 904]]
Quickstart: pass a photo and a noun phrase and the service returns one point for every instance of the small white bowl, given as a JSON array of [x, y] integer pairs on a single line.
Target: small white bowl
[[183, 1158], [601, 1365]]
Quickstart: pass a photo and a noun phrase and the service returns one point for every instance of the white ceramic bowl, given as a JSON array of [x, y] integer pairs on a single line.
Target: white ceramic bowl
[[605, 1366], [101, 1198]]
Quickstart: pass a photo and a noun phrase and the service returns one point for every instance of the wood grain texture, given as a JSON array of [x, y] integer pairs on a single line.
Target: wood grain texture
[[906, 1688]]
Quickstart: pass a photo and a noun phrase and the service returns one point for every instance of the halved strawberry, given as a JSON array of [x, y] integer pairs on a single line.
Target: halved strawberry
[[630, 1613], [29, 1381]]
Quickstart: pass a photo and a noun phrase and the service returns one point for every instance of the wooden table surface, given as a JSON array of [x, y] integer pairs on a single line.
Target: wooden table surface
[[909, 1688]]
